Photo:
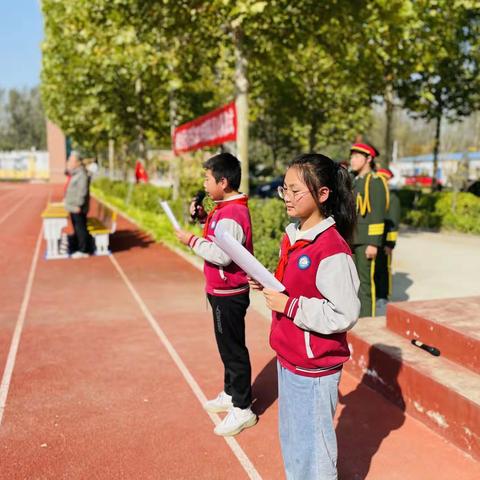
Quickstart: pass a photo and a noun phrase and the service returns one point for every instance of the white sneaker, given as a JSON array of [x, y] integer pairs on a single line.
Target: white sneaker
[[223, 403], [79, 255], [236, 420]]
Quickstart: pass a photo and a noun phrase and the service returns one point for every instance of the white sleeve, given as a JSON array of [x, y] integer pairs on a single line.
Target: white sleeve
[[206, 249], [337, 281]]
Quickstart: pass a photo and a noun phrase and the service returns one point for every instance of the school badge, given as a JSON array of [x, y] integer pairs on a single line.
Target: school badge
[[304, 262]]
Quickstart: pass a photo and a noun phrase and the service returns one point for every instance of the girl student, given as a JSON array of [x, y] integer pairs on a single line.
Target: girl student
[[311, 317]]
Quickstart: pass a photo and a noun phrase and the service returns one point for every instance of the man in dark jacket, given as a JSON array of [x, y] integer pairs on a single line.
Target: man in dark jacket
[[77, 199]]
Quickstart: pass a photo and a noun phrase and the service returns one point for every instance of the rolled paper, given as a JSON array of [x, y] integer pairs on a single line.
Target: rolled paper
[[170, 215], [245, 260]]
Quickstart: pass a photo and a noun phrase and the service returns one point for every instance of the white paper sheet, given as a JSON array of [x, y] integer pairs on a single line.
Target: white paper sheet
[[245, 260], [170, 215]]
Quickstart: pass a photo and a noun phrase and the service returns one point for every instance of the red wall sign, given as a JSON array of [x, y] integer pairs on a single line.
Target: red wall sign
[[213, 128]]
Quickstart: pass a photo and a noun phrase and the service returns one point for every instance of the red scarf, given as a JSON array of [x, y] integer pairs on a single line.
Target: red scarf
[[218, 206], [286, 249]]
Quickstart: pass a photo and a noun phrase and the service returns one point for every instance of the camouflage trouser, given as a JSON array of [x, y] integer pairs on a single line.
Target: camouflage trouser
[[383, 274], [366, 273]]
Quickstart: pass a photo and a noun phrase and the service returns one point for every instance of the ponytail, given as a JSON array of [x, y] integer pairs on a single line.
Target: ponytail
[[343, 208], [320, 171]]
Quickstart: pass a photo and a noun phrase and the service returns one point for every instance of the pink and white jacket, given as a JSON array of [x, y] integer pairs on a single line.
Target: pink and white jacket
[[223, 277], [321, 281]]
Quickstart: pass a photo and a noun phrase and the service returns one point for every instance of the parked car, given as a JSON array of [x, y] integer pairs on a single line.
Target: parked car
[[269, 190], [419, 181], [474, 187]]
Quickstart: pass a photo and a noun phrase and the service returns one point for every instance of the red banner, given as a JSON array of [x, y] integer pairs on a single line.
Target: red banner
[[213, 128]]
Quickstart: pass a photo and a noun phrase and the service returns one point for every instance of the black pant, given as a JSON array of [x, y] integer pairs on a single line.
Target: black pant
[[229, 325], [383, 280], [82, 237]]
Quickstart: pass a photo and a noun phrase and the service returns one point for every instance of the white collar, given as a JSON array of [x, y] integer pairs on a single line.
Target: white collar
[[235, 197], [311, 233]]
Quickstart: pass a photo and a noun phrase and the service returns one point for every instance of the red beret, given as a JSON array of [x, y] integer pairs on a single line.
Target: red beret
[[364, 148], [386, 172]]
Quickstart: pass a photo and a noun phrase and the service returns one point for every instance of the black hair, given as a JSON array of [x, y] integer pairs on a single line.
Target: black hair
[[319, 171], [225, 165]]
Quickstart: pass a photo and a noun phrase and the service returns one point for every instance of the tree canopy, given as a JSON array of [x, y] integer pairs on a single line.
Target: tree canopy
[[129, 70]]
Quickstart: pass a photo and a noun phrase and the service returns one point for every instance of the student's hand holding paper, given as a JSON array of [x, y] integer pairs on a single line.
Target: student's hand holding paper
[[245, 260], [183, 236], [276, 301], [254, 285]]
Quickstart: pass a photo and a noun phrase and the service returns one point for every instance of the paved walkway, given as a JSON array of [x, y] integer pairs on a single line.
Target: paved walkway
[[435, 265], [106, 362]]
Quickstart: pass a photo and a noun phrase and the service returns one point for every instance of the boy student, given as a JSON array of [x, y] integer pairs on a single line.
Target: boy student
[[227, 288]]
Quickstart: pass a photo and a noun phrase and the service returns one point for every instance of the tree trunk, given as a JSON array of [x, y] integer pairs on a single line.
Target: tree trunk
[[436, 149], [273, 149], [124, 161], [111, 158], [389, 111], [142, 148], [175, 163], [312, 137], [241, 101]]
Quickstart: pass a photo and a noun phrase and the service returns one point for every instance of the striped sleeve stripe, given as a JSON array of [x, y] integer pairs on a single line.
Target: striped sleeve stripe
[[193, 240], [291, 307]]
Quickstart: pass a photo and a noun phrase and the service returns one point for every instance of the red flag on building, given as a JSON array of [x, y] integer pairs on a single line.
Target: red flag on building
[[213, 128]]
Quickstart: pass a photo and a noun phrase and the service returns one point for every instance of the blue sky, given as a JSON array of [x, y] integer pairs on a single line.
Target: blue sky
[[21, 33]]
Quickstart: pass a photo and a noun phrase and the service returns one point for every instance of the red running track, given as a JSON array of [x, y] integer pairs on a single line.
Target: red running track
[[116, 354]]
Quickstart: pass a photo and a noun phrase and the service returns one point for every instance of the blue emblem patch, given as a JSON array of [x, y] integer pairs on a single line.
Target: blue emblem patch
[[304, 262]]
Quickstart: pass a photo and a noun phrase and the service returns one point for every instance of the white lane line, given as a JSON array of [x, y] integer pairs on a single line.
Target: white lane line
[[232, 443], [12, 353], [10, 212]]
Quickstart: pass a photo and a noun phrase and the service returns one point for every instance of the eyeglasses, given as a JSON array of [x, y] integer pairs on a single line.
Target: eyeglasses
[[284, 192]]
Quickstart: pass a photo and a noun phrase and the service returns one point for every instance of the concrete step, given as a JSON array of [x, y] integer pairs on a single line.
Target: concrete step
[[451, 325], [443, 395]]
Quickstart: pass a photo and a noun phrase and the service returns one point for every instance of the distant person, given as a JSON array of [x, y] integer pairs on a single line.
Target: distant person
[[371, 205], [76, 201], [141, 175], [383, 264], [311, 317], [227, 288]]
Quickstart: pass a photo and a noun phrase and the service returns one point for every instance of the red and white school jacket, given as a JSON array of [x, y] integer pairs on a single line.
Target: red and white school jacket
[[322, 283], [223, 277]]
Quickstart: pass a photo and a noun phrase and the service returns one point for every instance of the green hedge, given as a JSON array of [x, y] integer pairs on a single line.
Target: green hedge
[[140, 202], [442, 210], [269, 220]]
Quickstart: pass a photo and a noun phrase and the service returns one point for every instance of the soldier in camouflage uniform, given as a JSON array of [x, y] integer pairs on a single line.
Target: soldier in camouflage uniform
[[371, 197], [383, 271]]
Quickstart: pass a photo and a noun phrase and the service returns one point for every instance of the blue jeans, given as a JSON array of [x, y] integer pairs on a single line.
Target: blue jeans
[[307, 434]]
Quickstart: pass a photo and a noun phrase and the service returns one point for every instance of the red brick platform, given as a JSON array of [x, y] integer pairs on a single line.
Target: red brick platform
[[439, 391], [451, 325]]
